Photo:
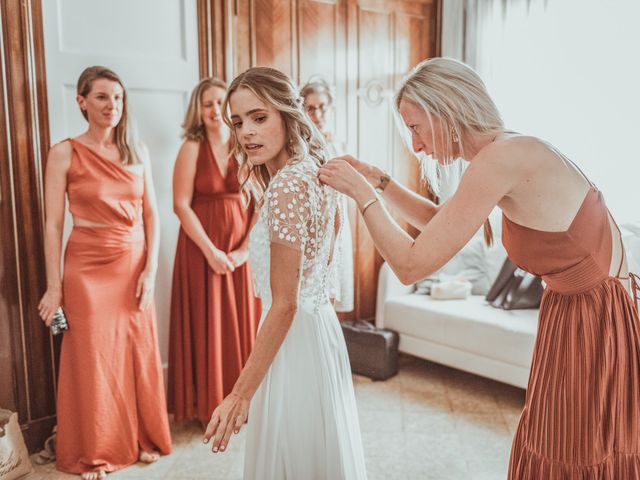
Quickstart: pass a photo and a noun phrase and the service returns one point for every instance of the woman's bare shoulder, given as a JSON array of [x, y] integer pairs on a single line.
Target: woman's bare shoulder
[[515, 152], [60, 154], [189, 149]]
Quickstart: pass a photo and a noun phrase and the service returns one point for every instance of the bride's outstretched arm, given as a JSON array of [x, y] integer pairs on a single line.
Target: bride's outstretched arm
[[231, 414]]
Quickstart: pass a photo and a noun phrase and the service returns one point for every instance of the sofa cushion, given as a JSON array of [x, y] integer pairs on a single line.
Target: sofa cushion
[[470, 325]]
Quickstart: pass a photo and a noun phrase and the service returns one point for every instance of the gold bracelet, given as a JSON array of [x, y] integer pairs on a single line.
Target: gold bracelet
[[368, 204]]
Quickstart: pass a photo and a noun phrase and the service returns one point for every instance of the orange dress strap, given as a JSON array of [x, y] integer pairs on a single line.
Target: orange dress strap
[[635, 288]]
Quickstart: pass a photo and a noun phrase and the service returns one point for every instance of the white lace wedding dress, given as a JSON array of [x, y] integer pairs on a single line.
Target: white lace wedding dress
[[303, 422]]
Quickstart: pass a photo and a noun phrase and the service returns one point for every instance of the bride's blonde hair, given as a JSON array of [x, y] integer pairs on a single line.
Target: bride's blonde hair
[[302, 137], [454, 94]]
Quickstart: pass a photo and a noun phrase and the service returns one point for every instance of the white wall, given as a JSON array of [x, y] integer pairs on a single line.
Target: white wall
[[152, 45], [569, 72]]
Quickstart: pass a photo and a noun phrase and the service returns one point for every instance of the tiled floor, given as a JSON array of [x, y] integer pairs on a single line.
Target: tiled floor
[[428, 422]]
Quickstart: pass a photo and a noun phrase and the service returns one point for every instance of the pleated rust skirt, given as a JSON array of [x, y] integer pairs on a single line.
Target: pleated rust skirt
[[581, 416]]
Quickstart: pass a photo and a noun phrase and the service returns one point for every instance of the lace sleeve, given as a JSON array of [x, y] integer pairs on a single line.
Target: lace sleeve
[[289, 210]]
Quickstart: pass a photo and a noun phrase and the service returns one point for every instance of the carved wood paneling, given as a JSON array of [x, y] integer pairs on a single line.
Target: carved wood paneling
[[274, 26], [23, 148], [213, 23], [319, 29], [412, 29], [397, 34]]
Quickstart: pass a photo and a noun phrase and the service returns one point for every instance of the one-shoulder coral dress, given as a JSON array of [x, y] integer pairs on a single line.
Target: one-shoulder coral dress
[[111, 400]]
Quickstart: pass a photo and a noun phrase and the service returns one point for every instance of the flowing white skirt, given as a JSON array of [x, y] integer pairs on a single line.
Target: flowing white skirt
[[303, 421]]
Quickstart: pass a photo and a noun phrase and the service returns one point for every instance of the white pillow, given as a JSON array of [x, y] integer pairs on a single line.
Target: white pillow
[[476, 262]]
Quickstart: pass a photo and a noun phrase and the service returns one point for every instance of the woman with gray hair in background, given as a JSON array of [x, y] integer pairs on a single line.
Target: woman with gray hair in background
[[318, 100], [580, 418]]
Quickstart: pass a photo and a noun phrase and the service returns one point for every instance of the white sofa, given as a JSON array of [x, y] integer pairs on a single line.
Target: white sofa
[[465, 334], [469, 334]]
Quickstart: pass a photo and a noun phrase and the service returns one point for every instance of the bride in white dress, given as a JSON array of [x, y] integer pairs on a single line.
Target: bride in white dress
[[303, 421]]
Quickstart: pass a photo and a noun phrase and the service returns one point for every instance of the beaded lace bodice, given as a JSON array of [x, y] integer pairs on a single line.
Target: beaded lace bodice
[[300, 213]]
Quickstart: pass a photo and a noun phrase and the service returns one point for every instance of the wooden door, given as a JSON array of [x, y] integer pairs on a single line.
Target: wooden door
[[362, 48], [385, 40]]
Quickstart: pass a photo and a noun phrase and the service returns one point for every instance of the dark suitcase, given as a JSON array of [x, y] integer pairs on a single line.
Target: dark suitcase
[[373, 352]]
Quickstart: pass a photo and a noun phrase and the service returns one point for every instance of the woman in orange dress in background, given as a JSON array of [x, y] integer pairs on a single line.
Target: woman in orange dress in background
[[111, 404], [214, 313]]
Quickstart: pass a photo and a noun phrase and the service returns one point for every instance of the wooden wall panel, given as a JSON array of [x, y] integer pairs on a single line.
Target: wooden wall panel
[[275, 35], [375, 129], [32, 389], [318, 29], [397, 34], [212, 37], [244, 42], [412, 30], [11, 374]]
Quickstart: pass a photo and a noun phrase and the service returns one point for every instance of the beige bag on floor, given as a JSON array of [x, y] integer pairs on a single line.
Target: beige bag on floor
[[14, 457]]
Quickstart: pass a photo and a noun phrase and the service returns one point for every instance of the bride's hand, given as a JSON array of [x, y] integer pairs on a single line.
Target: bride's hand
[[342, 176], [228, 417]]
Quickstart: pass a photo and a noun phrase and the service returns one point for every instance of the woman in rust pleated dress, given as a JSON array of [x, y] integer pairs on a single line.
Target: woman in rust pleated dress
[[214, 313], [111, 405], [581, 418]]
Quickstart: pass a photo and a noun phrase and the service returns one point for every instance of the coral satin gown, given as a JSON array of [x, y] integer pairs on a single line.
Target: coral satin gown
[[214, 318], [581, 418], [111, 399]]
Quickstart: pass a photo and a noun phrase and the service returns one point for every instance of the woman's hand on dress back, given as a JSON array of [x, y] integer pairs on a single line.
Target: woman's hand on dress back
[[368, 171], [49, 304], [219, 262], [144, 288], [342, 176], [238, 257], [227, 418]]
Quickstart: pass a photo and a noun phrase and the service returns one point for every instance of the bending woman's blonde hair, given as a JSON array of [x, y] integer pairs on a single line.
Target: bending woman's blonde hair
[[302, 137], [456, 96], [123, 134]]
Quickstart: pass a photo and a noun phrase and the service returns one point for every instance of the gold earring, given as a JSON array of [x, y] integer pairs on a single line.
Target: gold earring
[[454, 136]]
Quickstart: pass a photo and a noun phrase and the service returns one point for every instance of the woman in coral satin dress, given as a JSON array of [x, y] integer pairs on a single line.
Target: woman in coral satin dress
[[111, 404], [214, 313], [581, 418]]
